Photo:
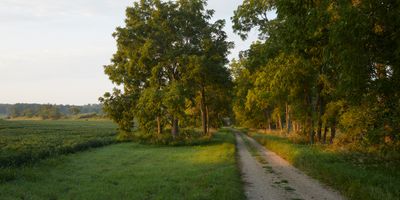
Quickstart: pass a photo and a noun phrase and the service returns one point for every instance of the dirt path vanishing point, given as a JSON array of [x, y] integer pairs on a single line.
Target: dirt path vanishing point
[[268, 176]]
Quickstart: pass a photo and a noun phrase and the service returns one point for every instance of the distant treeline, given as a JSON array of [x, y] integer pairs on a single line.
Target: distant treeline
[[48, 111]]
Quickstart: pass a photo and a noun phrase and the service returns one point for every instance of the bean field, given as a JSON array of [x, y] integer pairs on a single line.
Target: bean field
[[23, 142]]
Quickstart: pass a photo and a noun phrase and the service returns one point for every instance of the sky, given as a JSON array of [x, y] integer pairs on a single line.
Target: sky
[[54, 51]]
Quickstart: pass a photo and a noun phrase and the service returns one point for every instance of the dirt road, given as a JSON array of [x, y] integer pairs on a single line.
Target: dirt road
[[268, 176]]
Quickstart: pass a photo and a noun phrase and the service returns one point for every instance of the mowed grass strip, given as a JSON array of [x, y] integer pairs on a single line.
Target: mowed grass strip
[[23, 142], [133, 171], [365, 179]]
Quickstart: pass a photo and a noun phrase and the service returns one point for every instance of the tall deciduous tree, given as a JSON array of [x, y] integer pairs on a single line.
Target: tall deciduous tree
[[168, 53], [348, 56]]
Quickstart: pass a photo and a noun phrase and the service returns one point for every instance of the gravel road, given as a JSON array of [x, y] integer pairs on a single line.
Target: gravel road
[[269, 177]]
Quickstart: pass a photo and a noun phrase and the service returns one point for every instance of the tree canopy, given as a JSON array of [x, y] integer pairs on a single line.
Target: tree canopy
[[170, 66], [323, 65], [319, 67]]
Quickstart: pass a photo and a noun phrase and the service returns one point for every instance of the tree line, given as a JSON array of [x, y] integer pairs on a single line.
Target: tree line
[[47, 111], [319, 68]]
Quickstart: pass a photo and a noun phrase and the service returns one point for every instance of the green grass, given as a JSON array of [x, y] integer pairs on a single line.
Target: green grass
[[355, 176], [134, 171], [252, 149], [25, 142], [256, 153]]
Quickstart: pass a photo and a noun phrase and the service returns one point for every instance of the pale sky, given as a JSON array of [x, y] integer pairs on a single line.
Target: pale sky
[[53, 51]]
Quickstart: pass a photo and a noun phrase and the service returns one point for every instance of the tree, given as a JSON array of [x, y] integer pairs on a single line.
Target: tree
[[49, 111], [370, 83], [119, 107], [74, 110], [348, 64], [168, 52], [207, 71], [242, 84]]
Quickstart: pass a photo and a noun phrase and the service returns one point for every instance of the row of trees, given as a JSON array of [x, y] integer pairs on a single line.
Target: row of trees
[[321, 66], [44, 111], [47, 111], [170, 66]]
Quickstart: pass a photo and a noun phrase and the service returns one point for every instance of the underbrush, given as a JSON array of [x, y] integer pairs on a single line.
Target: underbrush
[[186, 137], [357, 175]]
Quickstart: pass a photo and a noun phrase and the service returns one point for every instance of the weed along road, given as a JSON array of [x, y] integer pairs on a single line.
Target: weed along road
[[269, 177]]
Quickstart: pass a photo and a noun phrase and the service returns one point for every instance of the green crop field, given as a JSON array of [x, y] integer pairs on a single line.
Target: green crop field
[[23, 142]]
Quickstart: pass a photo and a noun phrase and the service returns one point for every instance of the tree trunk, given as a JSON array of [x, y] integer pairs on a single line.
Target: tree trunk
[[268, 120], [320, 112], [203, 121], [333, 132], [269, 124], [311, 130], [298, 127], [310, 120], [280, 122], [175, 127], [294, 126], [207, 120], [203, 111], [159, 129], [325, 131], [288, 124], [319, 131]]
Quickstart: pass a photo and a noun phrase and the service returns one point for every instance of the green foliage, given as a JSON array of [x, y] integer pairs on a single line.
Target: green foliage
[[252, 14], [242, 85], [219, 104], [365, 125], [168, 54], [174, 99], [47, 111], [74, 110], [186, 137], [330, 63], [119, 108], [149, 107]]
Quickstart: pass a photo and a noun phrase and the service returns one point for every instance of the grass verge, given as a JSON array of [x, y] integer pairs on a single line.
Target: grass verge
[[364, 179]]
